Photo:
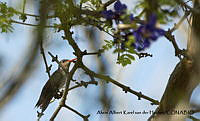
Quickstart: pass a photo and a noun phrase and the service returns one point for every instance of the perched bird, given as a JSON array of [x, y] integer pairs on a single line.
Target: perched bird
[[52, 86]]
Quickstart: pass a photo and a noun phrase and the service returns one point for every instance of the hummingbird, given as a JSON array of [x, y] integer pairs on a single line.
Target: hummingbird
[[53, 85]]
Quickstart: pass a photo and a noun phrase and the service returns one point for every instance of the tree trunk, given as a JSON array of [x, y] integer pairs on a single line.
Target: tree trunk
[[183, 79]]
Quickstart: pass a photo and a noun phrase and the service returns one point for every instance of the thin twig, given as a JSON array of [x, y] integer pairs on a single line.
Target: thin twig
[[93, 53], [171, 38], [33, 15], [85, 84], [35, 25], [101, 29], [85, 118], [141, 55], [48, 68], [194, 10]]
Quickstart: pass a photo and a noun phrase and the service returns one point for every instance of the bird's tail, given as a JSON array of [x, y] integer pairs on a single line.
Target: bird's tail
[[43, 102]]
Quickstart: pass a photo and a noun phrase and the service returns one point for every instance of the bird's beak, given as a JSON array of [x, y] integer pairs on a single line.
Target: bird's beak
[[72, 60], [68, 61]]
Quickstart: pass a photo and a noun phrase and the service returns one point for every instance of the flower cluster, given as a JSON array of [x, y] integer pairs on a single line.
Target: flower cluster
[[119, 9], [146, 33], [143, 34]]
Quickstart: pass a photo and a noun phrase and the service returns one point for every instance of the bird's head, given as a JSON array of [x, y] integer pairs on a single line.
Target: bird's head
[[66, 63]]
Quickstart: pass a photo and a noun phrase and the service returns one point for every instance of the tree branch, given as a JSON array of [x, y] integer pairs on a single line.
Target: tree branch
[[171, 38], [124, 88]]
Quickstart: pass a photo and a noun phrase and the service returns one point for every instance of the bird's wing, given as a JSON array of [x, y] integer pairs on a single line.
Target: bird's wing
[[49, 90]]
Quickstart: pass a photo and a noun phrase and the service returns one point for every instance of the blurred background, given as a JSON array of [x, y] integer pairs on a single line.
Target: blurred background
[[23, 72]]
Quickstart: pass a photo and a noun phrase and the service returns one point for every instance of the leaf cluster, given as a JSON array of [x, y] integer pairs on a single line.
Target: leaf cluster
[[6, 13]]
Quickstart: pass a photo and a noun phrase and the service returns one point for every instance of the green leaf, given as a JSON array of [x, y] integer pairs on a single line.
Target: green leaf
[[130, 56], [131, 50], [109, 44], [125, 59]]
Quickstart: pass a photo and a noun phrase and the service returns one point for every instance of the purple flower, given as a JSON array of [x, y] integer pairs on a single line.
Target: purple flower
[[108, 14], [151, 26], [140, 41], [119, 9], [147, 33]]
